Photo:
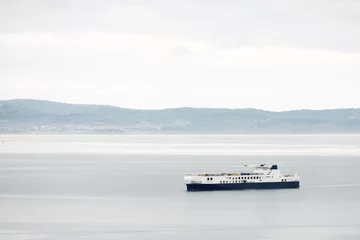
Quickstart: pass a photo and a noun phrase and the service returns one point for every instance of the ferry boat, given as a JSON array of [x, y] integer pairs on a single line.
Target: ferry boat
[[263, 177]]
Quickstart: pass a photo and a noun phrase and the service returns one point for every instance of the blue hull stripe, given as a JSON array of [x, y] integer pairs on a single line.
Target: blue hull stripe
[[242, 186]]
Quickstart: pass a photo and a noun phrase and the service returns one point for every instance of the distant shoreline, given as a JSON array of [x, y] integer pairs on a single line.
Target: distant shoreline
[[182, 134], [26, 116]]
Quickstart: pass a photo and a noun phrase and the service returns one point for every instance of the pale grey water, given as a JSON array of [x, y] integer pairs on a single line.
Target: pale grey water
[[131, 187]]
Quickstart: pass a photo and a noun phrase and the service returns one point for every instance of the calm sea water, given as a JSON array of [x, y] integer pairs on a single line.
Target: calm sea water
[[131, 187]]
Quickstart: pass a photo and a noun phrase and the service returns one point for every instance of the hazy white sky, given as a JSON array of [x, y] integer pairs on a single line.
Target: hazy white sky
[[274, 55]]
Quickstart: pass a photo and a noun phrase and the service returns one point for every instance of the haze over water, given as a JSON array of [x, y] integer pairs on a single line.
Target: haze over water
[[131, 187]]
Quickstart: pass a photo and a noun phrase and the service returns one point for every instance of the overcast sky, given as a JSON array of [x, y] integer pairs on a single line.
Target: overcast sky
[[274, 55]]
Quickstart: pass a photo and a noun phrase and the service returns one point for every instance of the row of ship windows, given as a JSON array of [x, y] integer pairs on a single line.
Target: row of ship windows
[[229, 181], [283, 180], [238, 178]]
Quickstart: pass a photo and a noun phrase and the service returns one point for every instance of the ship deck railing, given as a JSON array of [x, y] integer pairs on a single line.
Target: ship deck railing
[[225, 174]]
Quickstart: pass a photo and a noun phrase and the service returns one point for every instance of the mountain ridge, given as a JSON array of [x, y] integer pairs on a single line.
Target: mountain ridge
[[44, 116], [171, 108]]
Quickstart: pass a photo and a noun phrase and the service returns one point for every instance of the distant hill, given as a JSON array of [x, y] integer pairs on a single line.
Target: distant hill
[[37, 116]]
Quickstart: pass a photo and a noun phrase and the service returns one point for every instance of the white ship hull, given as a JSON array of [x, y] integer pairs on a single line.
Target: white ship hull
[[262, 178]]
